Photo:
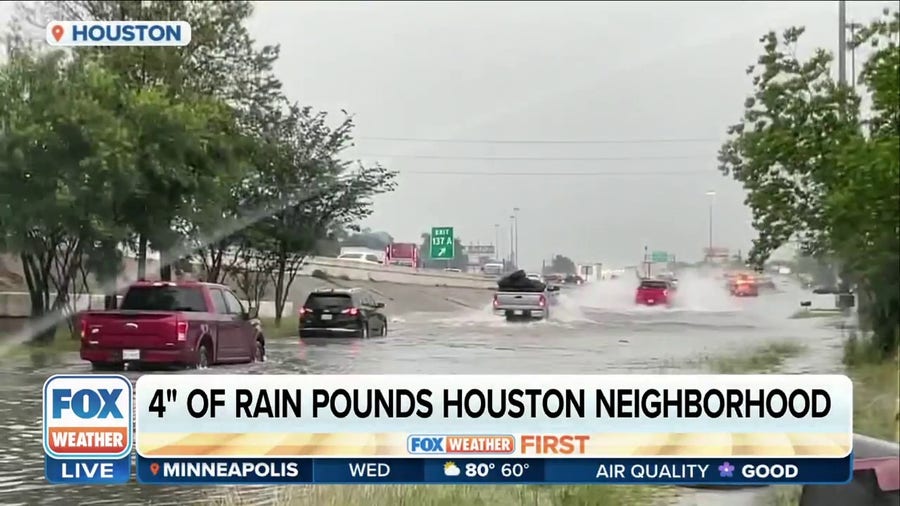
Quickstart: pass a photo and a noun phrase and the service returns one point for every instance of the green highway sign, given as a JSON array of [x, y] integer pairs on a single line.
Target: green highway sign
[[659, 256], [442, 243]]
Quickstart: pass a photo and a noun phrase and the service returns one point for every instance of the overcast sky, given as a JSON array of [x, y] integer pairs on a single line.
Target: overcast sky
[[610, 71]]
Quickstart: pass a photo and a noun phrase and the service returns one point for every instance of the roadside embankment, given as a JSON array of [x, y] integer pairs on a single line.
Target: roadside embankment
[[400, 288]]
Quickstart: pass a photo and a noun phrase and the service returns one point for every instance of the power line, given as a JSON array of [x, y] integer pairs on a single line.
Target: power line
[[541, 141], [539, 158], [554, 174]]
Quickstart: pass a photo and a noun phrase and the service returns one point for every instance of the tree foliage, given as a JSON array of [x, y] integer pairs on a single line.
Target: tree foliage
[[562, 264], [820, 169], [194, 152]]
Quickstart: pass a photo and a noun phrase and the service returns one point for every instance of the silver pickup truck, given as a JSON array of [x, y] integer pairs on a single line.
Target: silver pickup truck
[[521, 305]]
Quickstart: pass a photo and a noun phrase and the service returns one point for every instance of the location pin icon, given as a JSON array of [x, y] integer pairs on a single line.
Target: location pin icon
[[154, 468], [57, 32]]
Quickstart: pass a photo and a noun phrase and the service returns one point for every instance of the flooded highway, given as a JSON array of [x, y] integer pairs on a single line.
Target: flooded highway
[[596, 330]]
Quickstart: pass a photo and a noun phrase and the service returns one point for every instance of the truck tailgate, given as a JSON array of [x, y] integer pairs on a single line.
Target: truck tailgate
[[519, 300], [131, 329]]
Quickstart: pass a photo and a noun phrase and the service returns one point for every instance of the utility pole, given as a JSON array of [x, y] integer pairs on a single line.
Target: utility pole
[[512, 259], [516, 220], [497, 241], [711, 194], [646, 261], [842, 42], [853, 27]]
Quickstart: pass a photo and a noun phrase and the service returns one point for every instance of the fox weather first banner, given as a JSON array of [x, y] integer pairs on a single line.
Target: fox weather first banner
[[464, 429]]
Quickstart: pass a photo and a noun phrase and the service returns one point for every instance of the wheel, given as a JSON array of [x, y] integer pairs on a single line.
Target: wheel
[[383, 332], [204, 356], [364, 330], [104, 366], [259, 353]]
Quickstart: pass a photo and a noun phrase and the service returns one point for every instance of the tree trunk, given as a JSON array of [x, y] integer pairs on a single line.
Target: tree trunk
[[37, 279], [142, 258], [279, 287], [165, 267]]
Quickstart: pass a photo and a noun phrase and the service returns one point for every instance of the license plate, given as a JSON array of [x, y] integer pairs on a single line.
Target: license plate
[[326, 316], [517, 312], [131, 354], [650, 301]]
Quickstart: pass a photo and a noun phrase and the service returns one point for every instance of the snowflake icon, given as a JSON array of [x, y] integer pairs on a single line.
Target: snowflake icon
[[726, 470]]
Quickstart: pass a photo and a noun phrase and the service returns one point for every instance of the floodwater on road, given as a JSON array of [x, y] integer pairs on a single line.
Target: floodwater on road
[[595, 330]]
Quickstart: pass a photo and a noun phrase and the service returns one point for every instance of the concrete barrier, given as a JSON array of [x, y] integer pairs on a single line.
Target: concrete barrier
[[18, 305], [360, 271]]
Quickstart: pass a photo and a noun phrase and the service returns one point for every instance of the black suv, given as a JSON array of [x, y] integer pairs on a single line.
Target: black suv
[[342, 313]]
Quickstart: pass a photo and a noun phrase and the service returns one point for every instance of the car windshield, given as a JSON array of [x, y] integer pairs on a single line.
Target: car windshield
[[164, 298], [329, 301], [654, 285]]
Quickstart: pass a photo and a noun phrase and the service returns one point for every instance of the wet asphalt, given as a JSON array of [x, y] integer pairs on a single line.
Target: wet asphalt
[[595, 330]]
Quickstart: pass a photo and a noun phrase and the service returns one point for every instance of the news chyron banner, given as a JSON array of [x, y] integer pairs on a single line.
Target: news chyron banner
[[465, 429]]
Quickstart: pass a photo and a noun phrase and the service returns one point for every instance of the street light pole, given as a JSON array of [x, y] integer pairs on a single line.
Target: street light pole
[[512, 260], [842, 42], [497, 240], [709, 251], [516, 220]]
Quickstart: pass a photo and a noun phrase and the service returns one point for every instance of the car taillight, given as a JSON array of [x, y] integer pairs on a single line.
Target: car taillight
[[352, 311], [305, 310], [84, 328], [496, 301], [542, 301], [665, 293], [181, 329]]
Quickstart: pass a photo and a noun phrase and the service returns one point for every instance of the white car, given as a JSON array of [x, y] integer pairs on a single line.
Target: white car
[[535, 276], [361, 257]]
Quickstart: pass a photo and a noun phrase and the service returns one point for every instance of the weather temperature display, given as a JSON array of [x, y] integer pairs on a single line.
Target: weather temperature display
[[484, 470]]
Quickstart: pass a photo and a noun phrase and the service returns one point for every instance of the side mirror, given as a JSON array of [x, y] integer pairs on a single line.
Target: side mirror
[[245, 316], [553, 288], [379, 305], [806, 303]]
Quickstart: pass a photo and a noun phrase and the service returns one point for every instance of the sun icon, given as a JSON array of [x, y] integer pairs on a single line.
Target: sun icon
[[449, 464]]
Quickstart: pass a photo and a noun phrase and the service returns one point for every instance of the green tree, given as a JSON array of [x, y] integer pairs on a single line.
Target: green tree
[[368, 240], [863, 210], [221, 63], [64, 154], [563, 265], [817, 170], [784, 149], [308, 191]]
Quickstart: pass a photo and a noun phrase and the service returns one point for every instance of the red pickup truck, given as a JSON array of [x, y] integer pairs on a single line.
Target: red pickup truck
[[653, 292], [187, 323]]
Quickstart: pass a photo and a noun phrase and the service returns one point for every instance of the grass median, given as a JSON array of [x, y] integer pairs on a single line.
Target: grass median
[[452, 495], [876, 401], [766, 358]]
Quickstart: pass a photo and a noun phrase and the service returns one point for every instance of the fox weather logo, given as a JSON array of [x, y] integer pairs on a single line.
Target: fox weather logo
[[88, 429]]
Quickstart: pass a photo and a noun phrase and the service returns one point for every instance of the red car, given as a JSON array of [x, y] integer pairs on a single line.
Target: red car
[[744, 286], [653, 292], [187, 323]]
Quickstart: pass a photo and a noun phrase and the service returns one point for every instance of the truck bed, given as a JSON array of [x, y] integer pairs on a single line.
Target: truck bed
[[523, 304]]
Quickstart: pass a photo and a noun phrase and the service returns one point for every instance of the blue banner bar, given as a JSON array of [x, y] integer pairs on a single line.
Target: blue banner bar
[[75, 471], [644, 471]]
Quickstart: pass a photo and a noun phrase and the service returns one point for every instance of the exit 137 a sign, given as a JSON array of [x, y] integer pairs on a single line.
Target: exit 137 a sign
[[442, 243]]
